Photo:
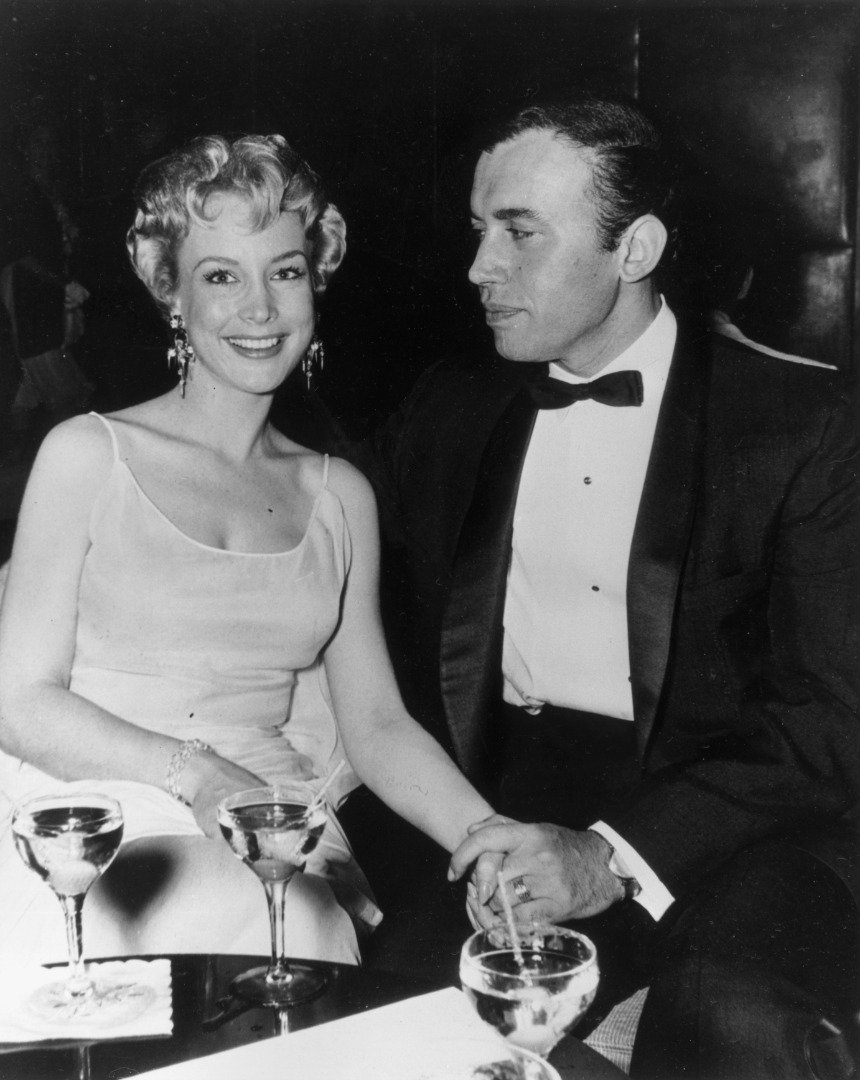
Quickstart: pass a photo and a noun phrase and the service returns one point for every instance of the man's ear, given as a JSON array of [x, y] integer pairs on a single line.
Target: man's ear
[[641, 247]]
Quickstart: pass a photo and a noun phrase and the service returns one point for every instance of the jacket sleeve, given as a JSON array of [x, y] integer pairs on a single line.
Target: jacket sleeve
[[788, 762]]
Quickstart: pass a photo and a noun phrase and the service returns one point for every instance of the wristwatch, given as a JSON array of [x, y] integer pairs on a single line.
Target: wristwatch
[[616, 866]]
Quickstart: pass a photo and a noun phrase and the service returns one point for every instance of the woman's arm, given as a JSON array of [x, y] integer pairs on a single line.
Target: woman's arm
[[391, 753], [41, 720]]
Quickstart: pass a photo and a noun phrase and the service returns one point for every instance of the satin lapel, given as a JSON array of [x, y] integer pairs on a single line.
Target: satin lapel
[[663, 524], [470, 656]]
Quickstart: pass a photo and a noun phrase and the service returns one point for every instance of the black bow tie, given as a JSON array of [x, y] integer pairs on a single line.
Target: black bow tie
[[617, 388]]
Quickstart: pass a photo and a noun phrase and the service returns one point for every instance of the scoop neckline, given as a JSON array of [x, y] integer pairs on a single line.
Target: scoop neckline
[[209, 547]]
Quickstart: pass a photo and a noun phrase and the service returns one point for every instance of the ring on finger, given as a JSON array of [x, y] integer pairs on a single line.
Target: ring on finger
[[521, 890]]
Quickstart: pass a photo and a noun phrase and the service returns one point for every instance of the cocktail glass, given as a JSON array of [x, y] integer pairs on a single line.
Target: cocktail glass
[[273, 830], [69, 841], [533, 990]]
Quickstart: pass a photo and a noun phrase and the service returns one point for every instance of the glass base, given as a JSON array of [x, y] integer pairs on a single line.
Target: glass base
[[303, 984], [110, 1001]]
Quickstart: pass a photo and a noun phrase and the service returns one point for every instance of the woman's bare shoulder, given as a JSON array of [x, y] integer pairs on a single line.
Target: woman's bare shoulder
[[295, 464], [154, 416], [350, 485], [340, 477], [73, 463], [80, 442]]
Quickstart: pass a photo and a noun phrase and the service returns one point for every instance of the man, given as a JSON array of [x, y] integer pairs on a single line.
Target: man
[[631, 611]]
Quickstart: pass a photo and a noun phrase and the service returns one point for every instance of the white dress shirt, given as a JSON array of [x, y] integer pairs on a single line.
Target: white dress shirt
[[565, 620]]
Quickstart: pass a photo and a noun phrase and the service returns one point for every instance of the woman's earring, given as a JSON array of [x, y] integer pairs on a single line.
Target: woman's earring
[[313, 361], [181, 354]]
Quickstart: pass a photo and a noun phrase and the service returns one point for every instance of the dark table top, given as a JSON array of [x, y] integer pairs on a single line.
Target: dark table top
[[206, 1020]]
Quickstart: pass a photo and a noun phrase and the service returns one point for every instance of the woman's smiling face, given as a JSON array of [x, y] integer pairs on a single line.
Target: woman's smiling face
[[245, 297]]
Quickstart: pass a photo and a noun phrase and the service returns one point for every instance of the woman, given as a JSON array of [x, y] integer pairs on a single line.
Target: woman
[[179, 569]]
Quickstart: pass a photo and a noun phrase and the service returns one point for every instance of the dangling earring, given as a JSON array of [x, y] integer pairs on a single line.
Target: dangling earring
[[313, 361], [181, 354]]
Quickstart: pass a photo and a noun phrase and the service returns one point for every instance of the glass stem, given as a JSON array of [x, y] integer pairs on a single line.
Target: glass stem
[[84, 1066], [279, 971], [79, 984]]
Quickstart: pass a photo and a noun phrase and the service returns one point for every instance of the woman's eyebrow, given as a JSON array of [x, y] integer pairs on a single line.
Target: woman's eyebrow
[[235, 262], [216, 258], [289, 255]]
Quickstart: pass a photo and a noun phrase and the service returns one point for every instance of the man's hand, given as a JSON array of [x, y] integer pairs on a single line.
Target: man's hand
[[565, 872]]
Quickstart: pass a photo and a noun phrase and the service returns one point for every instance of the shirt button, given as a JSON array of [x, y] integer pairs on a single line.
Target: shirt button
[[587, 480], [595, 588]]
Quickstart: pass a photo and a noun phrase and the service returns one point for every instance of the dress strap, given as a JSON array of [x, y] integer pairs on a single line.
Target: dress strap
[[326, 460], [111, 432]]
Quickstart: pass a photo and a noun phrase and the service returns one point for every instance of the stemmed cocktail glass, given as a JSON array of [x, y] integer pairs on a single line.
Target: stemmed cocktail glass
[[273, 830], [69, 841], [531, 982]]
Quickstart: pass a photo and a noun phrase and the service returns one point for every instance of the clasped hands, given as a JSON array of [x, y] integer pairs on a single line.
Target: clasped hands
[[564, 872]]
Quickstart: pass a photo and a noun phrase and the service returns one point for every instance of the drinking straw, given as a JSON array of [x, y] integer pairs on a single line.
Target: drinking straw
[[509, 916], [318, 798]]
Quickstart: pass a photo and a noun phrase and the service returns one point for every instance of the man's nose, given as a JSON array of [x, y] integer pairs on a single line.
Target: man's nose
[[487, 267]]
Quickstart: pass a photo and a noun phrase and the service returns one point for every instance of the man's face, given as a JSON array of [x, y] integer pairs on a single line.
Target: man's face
[[548, 288]]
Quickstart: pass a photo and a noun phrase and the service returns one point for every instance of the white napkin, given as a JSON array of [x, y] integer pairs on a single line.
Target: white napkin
[[19, 1023], [433, 1036]]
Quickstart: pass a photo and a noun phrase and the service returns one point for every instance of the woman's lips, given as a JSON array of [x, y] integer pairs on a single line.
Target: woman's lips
[[262, 348]]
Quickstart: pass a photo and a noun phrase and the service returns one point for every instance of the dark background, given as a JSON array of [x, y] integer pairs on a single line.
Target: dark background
[[382, 95]]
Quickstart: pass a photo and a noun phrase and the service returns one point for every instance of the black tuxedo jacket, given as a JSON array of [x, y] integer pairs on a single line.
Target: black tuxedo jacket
[[740, 593]]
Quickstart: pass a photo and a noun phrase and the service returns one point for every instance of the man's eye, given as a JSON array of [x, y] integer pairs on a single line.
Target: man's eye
[[519, 234], [218, 277]]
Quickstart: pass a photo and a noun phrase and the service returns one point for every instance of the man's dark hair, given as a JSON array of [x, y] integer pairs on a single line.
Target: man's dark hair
[[634, 171]]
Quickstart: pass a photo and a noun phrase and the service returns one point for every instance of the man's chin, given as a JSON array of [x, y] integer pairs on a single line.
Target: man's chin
[[518, 355]]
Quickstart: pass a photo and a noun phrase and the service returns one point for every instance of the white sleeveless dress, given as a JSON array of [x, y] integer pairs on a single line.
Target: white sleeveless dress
[[197, 642]]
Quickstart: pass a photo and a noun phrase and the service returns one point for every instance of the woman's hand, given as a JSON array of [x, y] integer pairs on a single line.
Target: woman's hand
[[208, 778], [563, 873]]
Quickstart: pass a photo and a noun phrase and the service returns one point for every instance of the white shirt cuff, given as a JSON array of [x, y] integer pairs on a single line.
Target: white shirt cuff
[[654, 897]]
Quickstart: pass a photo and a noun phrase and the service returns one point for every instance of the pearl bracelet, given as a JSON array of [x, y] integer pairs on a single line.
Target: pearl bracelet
[[180, 759]]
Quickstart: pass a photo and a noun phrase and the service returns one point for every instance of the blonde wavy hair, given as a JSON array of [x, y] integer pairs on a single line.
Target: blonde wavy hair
[[172, 192]]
